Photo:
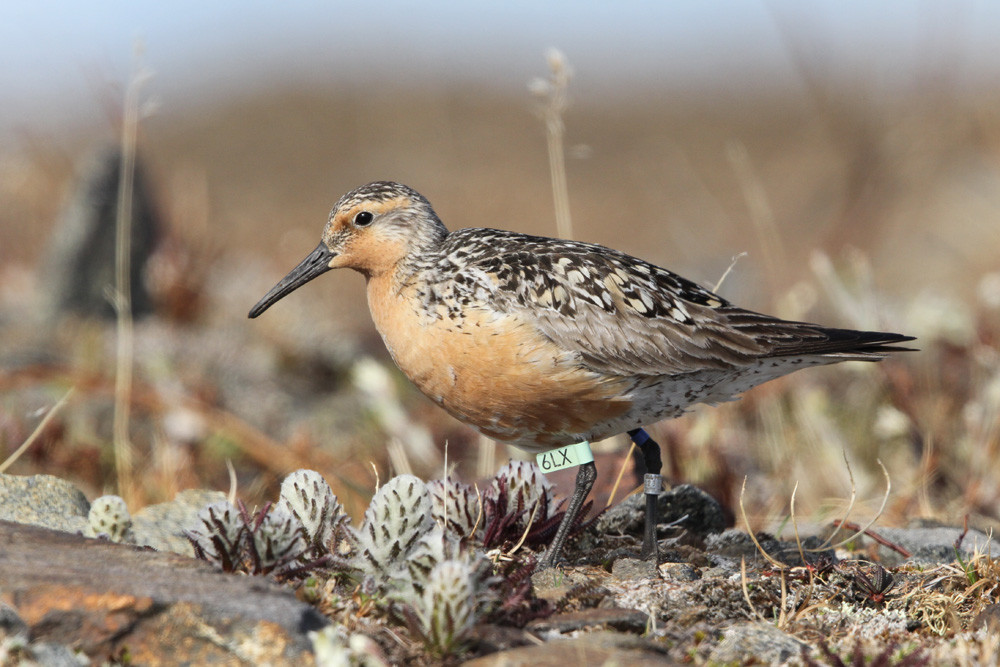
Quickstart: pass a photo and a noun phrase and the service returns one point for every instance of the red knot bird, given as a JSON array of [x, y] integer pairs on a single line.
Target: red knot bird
[[542, 343]]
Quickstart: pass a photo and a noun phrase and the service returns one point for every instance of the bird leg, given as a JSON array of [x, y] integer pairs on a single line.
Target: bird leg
[[585, 477], [652, 485]]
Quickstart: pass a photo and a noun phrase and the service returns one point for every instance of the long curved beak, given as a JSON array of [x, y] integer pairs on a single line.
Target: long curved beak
[[316, 264]]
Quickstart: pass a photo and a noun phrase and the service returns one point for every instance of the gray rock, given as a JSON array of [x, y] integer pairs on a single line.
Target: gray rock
[[680, 572], [100, 598], [14, 632], [598, 648], [616, 618], [721, 571], [734, 544], [634, 568], [162, 526], [687, 505], [928, 546], [43, 500], [51, 654], [759, 642], [11, 624]]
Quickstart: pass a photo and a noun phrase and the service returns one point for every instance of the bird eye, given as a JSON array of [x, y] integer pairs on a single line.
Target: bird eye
[[363, 219]]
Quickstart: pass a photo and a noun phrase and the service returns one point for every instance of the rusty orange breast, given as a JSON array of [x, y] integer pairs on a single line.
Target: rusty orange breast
[[493, 370]]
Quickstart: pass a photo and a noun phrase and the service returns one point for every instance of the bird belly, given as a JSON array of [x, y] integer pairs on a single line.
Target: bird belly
[[499, 374]]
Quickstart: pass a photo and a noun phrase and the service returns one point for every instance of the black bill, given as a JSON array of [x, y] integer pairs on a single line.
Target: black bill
[[317, 263]]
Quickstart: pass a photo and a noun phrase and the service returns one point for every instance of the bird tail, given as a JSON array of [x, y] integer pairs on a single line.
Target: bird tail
[[843, 344]]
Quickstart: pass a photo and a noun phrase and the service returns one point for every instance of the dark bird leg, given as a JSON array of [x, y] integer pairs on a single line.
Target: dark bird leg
[[585, 477], [638, 465], [652, 485]]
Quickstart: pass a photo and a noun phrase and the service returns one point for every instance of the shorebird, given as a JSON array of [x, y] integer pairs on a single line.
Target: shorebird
[[542, 343]]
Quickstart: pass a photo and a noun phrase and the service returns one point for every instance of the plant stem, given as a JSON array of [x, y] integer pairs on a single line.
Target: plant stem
[[123, 293]]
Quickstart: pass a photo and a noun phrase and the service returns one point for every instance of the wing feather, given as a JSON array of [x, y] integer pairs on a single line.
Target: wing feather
[[624, 316]]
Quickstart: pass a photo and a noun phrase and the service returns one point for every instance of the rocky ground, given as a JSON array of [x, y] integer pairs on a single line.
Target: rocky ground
[[878, 217], [132, 593]]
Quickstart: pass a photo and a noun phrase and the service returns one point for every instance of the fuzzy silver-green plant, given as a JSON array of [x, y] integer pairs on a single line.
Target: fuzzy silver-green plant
[[432, 548], [409, 585], [278, 539], [450, 606], [219, 536], [306, 496], [333, 646], [399, 514], [109, 518], [455, 506], [526, 487], [269, 541]]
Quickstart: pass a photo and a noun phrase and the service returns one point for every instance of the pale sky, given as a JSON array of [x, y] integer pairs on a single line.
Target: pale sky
[[54, 54]]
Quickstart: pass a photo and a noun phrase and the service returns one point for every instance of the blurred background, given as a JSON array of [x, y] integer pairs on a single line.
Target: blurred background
[[850, 149]]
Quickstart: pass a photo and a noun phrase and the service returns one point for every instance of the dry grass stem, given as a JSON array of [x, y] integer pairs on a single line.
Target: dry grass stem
[[795, 523], [479, 516], [398, 457], [444, 477], [233, 482], [850, 505], [122, 298], [30, 440], [554, 94], [776, 564], [782, 615], [725, 274], [486, 459], [527, 529], [621, 473], [746, 590], [878, 515]]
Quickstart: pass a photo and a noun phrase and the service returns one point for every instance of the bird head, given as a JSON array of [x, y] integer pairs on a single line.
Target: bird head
[[371, 229]]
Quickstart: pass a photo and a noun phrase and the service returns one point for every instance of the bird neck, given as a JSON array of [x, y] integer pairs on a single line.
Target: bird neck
[[424, 252]]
